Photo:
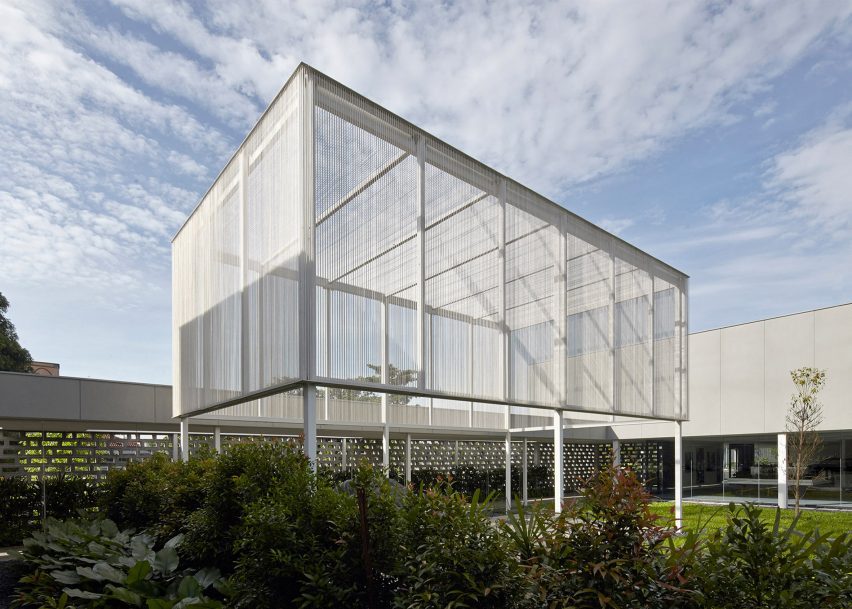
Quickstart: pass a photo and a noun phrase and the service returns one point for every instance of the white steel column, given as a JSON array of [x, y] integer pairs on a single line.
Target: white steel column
[[616, 452], [508, 471], [678, 467], [561, 281], [408, 458], [217, 439], [344, 460], [309, 422], [558, 489], [307, 266], [175, 446], [525, 497], [184, 439], [421, 265], [384, 379], [782, 470], [470, 370]]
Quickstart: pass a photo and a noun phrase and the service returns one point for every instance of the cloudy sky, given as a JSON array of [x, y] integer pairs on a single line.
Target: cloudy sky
[[715, 136]]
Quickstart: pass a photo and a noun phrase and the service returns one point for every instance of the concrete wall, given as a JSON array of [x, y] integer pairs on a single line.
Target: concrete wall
[[739, 377]]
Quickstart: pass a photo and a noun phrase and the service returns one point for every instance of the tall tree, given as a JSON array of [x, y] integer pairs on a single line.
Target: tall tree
[[803, 418], [13, 357]]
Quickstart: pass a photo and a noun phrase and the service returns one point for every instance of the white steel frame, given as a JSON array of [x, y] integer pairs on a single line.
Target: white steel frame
[[340, 234]]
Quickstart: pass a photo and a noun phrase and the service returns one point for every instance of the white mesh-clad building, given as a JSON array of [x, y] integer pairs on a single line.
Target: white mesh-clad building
[[349, 273]]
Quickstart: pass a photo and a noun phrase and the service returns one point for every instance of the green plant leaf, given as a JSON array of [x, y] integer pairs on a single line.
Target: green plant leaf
[[159, 603], [166, 560], [108, 528], [76, 593], [188, 587], [108, 572], [207, 577], [66, 577], [138, 572], [125, 595]]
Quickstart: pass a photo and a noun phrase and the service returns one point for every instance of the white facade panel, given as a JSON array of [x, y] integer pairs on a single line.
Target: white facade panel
[[742, 378]]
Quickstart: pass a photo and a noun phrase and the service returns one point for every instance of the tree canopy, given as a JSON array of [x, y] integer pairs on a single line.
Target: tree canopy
[[13, 357]]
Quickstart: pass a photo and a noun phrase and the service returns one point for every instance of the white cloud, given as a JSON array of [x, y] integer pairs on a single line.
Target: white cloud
[[815, 178], [110, 133], [616, 225]]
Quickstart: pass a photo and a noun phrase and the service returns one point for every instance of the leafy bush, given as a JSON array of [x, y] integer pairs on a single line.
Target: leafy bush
[[235, 482], [454, 556], [22, 503], [20, 500], [157, 494], [91, 563], [749, 564], [604, 550]]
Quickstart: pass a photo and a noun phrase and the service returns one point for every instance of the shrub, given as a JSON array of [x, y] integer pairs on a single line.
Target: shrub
[[604, 550], [90, 563], [236, 481], [453, 555], [22, 503], [750, 564], [157, 494]]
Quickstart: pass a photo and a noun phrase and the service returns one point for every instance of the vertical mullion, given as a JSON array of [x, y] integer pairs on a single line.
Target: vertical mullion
[[611, 322], [420, 145], [653, 371], [307, 283], [561, 285], [245, 344]]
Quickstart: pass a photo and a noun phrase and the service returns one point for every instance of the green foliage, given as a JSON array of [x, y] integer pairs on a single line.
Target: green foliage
[[750, 564], [236, 481], [605, 550], [157, 494], [22, 505], [20, 501], [90, 563], [454, 556], [13, 357]]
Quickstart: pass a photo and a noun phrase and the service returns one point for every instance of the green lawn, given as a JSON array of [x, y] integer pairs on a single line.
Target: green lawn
[[713, 517]]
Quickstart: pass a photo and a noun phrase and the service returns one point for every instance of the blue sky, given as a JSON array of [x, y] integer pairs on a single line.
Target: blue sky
[[715, 136]]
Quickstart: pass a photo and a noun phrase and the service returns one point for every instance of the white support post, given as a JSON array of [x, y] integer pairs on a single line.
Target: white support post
[[678, 474], [782, 470], [525, 497], [309, 422], [408, 458], [421, 264], [470, 370], [508, 471], [344, 460], [558, 442], [175, 446], [385, 379], [217, 440], [184, 439], [616, 453]]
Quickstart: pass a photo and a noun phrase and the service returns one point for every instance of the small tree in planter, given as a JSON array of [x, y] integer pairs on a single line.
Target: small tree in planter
[[803, 418]]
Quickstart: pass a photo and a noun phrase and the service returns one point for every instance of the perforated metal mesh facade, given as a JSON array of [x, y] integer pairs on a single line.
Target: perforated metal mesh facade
[[345, 247]]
